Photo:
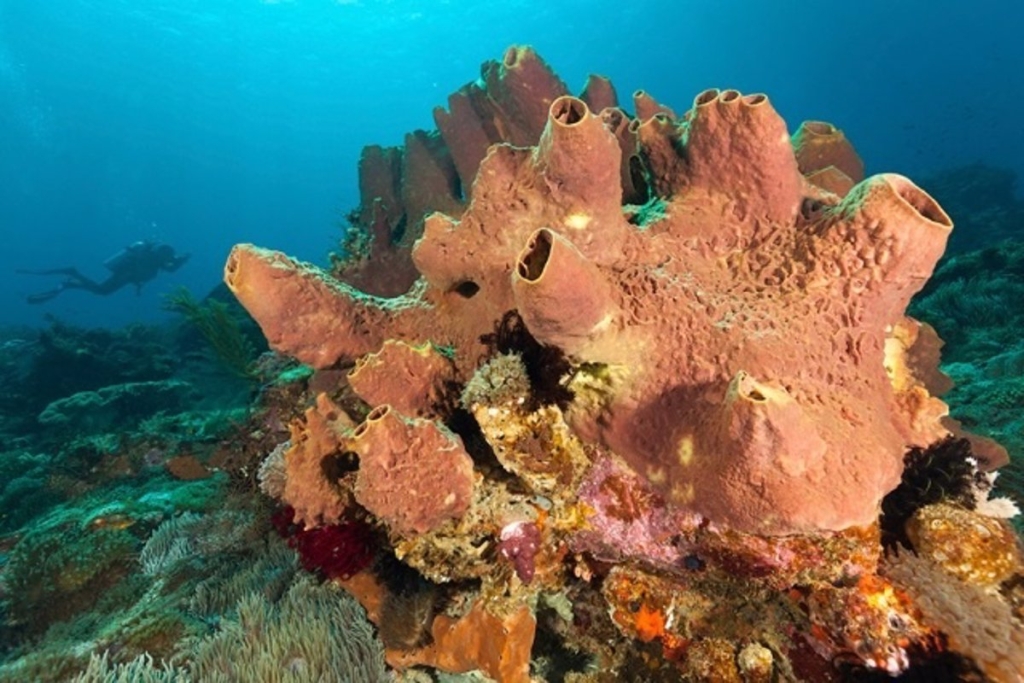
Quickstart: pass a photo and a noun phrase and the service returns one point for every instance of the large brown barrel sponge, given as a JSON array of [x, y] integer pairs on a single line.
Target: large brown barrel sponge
[[406, 377], [738, 144], [413, 473], [562, 297], [574, 135], [818, 145], [302, 310], [721, 324], [599, 93]]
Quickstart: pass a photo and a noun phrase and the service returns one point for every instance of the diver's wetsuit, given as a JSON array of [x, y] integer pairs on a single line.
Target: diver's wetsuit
[[135, 265]]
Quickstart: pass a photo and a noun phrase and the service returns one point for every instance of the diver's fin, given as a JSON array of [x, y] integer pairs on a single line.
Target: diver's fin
[[47, 271], [42, 297]]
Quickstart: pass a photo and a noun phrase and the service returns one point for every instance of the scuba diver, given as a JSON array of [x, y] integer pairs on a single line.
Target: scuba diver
[[136, 265]]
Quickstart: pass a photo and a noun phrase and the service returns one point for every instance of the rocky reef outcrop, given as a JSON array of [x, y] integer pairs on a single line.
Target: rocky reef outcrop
[[637, 373]]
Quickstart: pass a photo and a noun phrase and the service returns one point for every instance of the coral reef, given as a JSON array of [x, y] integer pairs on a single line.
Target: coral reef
[[79, 510], [400, 186], [80, 558], [40, 367], [943, 472], [123, 405], [591, 396], [722, 312], [312, 633], [142, 669], [23, 490], [979, 623], [789, 328], [973, 301], [976, 303]]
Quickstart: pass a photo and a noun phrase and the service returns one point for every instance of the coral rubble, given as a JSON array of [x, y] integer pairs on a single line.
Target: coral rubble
[[739, 386]]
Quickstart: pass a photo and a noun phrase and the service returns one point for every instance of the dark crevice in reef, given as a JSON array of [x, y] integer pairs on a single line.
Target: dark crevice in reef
[[550, 652], [465, 425], [545, 365], [460, 421], [398, 232], [411, 602], [934, 664]]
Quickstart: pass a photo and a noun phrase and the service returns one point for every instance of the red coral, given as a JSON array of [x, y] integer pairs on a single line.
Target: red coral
[[337, 551]]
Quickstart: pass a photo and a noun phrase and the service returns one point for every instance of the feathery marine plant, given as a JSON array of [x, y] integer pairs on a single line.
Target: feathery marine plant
[[221, 329]]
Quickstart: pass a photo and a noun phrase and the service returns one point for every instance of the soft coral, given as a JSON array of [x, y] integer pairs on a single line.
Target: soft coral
[[337, 551]]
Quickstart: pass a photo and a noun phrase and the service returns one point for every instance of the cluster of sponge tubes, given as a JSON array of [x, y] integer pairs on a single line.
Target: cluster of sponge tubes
[[730, 300]]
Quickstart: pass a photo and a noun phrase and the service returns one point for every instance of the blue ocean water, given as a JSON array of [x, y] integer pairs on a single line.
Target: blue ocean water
[[208, 122]]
